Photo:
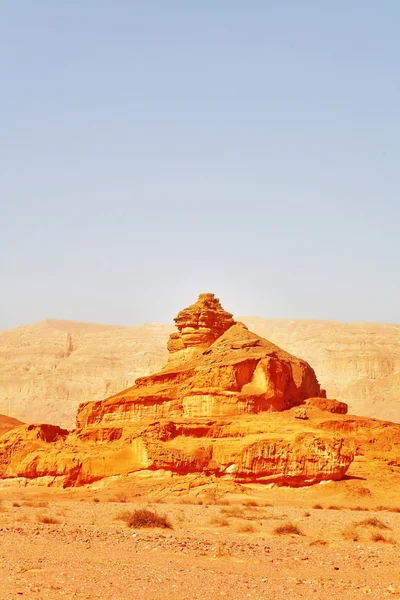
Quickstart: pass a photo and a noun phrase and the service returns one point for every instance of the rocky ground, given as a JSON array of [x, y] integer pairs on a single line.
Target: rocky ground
[[78, 545]]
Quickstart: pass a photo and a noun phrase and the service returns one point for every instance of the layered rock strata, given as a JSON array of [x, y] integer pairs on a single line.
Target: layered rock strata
[[230, 371], [221, 406]]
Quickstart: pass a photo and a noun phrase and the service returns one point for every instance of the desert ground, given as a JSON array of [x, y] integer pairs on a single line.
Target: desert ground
[[332, 540]]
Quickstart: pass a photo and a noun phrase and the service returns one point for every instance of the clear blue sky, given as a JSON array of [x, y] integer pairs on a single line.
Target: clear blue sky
[[154, 150]]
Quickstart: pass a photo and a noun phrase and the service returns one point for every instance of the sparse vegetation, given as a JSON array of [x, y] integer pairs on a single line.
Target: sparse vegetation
[[250, 503], [120, 497], [219, 522], [378, 537], [47, 519], [246, 528], [35, 503], [143, 517], [233, 511], [222, 550], [318, 543], [372, 522], [190, 500], [287, 529], [334, 507], [351, 534]]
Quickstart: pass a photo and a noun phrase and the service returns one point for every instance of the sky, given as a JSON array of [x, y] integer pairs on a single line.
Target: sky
[[151, 151]]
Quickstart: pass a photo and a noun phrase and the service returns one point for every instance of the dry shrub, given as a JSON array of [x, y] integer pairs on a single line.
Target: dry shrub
[[36, 503], [318, 543], [318, 506], [307, 514], [335, 507], [351, 534], [378, 537], [287, 529], [395, 509], [47, 519], [360, 508], [219, 521], [250, 503], [189, 500], [233, 511], [362, 492], [143, 517], [372, 522], [95, 499], [16, 504], [120, 497], [246, 528], [222, 550]]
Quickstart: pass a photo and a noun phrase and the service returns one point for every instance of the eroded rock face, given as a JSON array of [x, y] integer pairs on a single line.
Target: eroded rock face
[[236, 449], [228, 371], [48, 369], [214, 409], [198, 326]]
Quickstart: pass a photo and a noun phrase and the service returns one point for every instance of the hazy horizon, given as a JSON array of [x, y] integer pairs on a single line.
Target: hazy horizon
[[155, 151]]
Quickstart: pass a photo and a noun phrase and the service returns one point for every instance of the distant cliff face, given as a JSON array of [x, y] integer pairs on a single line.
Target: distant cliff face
[[48, 369]]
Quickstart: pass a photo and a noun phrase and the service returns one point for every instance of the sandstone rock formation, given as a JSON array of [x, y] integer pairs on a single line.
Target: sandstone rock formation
[[208, 411], [47, 369], [228, 371], [199, 326], [263, 449]]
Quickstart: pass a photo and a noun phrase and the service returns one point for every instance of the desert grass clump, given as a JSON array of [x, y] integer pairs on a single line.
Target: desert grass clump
[[190, 501], [351, 534], [219, 522], [372, 522], [36, 503], [287, 529], [233, 511], [379, 537], [143, 517], [318, 543], [119, 497], [47, 519], [222, 550], [360, 508], [246, 528], [250, 503]]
